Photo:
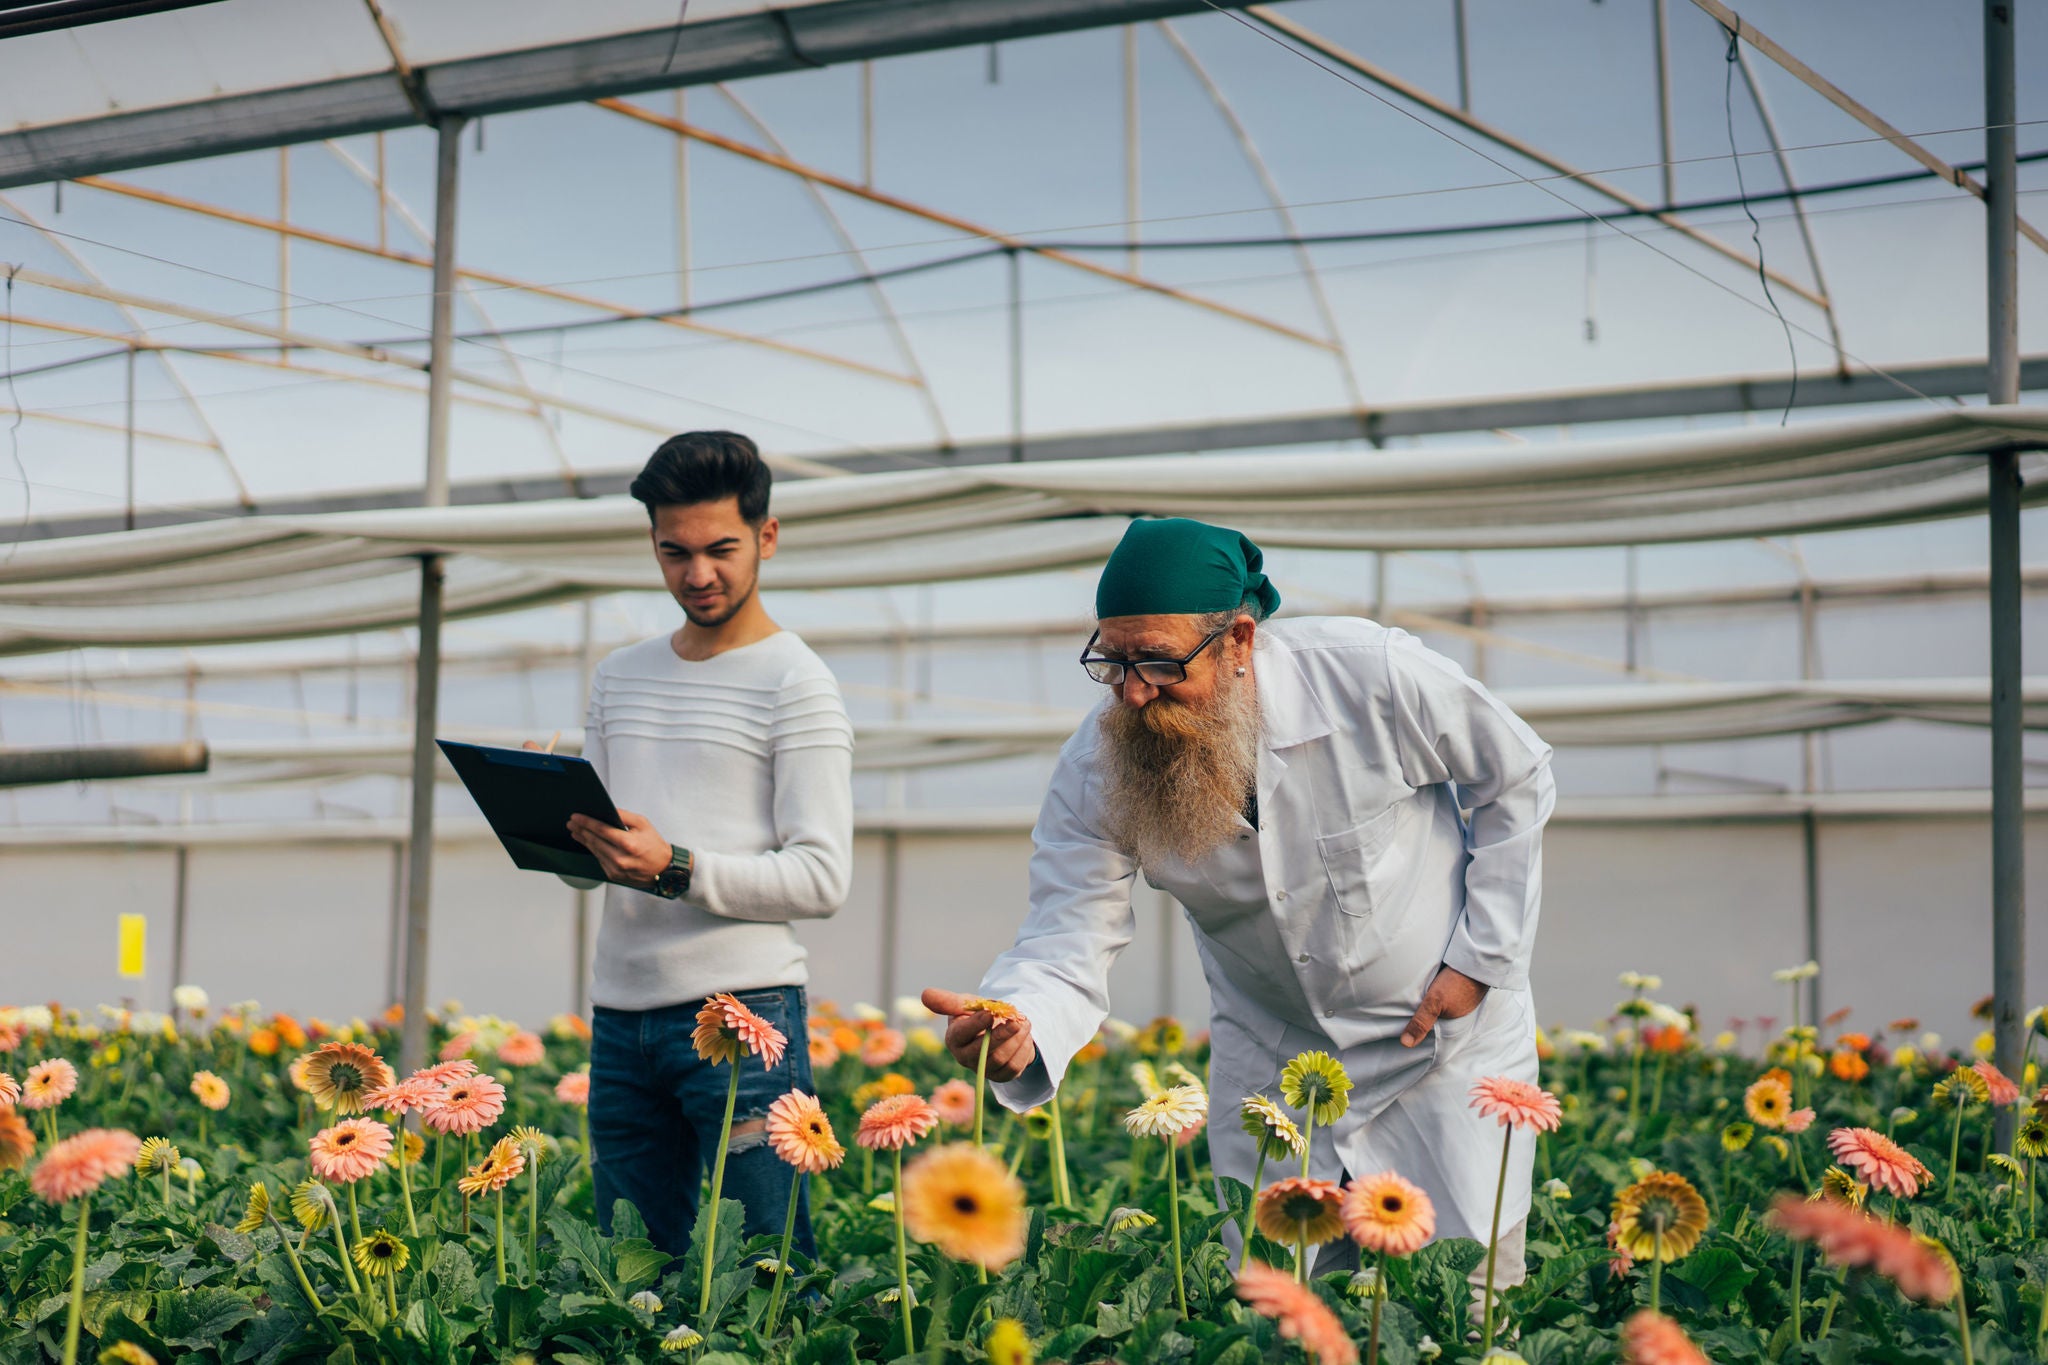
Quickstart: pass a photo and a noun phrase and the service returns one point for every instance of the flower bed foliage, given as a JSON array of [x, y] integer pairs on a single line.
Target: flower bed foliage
[[232, 1187]]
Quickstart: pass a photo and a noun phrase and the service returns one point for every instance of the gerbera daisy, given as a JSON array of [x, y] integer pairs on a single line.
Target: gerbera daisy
[[682, 1337], [1842, 1187], [1516, 1103], [823, 1051], [312, 1204], [126, 1353], [1922, 1270], [410, 1147], [1300, 1211], [338, 1075], [77, 1165], [379, 1255], [257, 1211], [1998, 1086], [1799, 1120], [1962, 1088], [1388, 1215], [1768, 1101], [10, 1092], [1847, 1064], [727, 1031], [801, 1134], [49, 1084], [1008, 1343], [523, 1048], [1146, 1079], [887, 1084], [2031, 1141], [537, 1147], [1268, 1125], [574, 1088], [350, 1150], [210, 1089], [17, 1143], [1650, 1338], [1878, 1161], [1127, 1219], [883, 1047], [1302, 1316], [155, 1156], [954, 1101], [468, 1105], [1316, 1082], [442, 1073], [401, 1097], [1169, 1113], [1659, 1218], [894, 1122], [497, 1169], [1736, 1136], [966, 1203]]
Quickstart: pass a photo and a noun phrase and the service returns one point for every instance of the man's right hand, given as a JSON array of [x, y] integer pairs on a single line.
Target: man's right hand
[[1010, 1049]]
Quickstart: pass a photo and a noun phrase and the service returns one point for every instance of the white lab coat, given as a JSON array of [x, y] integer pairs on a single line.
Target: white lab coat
[[1322, 927]]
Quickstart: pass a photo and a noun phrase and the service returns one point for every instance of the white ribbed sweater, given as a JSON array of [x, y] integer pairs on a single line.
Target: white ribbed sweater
[[746, 760]]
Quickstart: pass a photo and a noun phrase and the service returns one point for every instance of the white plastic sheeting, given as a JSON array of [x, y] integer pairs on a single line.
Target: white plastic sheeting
[[262, 578]]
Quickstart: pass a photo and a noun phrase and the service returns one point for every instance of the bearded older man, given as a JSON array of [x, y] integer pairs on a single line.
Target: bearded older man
[[1354, 827]]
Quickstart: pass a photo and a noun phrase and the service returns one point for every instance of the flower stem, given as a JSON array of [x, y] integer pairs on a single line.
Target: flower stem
[[1493, 1244], [348, 1267], [355, 1224], [1180, 1284], [1798, 1264], [980, 1086], [412, 1225], [1258, 1175], [903, 1263], [1062, 1192], [796, 1185], [1301, 1252], [732, 1095], [501, 1234], [391, 1293], [1379, 1296], [533, 1218], [298, 1269], [1963, 1322], [1308, 1138], [1955, 1147], [1657, 1285], [167, 1184], [76, 1312], [583, 1132]]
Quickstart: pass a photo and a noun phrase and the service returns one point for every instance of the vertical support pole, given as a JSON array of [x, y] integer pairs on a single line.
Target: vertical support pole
[[1464, 65], [1632, 613], [1379, 586], [1809, 832], [587, 660], [867, 124], [1657, 18], [1131, 147], [181, 881], [383, 199], [284, 247], [427, 688], [128, 447], [394, 946], [892, 913], [2008, 776], [682, 210], [1016, 277], [1809, 773]]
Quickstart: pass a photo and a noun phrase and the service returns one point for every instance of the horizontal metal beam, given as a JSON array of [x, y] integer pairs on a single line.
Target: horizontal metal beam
[[98, 762], [1567, 407], [732, 48]]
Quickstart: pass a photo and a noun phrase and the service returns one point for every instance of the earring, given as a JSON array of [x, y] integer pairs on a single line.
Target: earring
[[1240, 673]]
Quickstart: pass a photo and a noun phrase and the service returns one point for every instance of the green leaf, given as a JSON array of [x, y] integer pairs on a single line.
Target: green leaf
[[515, 1308], [626, 1220], [579, 1242], [100, 1306], [732, 1218], [98, 1272], [233, 1245], [456, 1291], [425, 1322], [637, 1263], [199, 1318], [833, 1345], [1717, 1272], [273, 1334]]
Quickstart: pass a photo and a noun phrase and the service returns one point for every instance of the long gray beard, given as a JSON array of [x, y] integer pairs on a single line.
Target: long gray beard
[[1175, 778]]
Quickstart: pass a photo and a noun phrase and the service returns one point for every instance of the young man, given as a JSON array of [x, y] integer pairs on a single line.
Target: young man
[[730, 743]]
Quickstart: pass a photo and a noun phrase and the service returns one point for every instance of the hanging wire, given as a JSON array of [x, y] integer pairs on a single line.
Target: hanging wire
[[1755, 228], [14, 426]]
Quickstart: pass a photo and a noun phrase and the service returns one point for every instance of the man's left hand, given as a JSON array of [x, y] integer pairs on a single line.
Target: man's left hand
[[633, 856], [1452, 995]]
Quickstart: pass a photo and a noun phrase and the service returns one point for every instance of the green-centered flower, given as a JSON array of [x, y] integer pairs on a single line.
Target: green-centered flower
[[1840, 1186], [379, 1255], [2012, 1170], [1962, 1088], [259, 1207], [1315, 1081], [1128, 1219], [647, 1300], [682, 1337], [2032, 1139], [155, 1156], [1268, 1125], [1736, 1136], [312, 1204], [533, 1144]]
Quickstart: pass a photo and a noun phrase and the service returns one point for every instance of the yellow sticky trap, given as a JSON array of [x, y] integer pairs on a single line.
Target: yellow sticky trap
[[134, 940]]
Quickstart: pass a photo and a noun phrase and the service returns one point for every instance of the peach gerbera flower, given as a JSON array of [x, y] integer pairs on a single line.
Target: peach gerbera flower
[[1650, 1338], [894, 1122], [883, 1048], [441, 1073], [48, 1085], [349, 1150], [338, 1075], [574, 1088], [1300, 1211], [500, 1166], [402, 1097], [17, 1143], [1768, 1101], [77, 1165], [468, 1105], [523, 1048], [955, 1102], [824, 1051], [727, 1031], [2003, 1091], [801, 1134], [210, 1090], [1516, 1103], [458, 1046], [1302, 1316], [1848, 1237], [1799, 1120], [966, 1203], [10, 1092], [1882, 1163], [1387, 1214]]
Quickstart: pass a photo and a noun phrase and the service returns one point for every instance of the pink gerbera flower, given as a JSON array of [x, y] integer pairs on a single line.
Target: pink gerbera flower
[[883, 1047], [1848, 1237], [1799, 1120], [10, 1093], [727, 1031], [574, 1088], [48, 1085], [523, 1048], [350, 1150], [2003, 1091], [954, 1102], [77, 1165], [458, 1047], [1301, 1313], [441, 1073], [466, 1105], [894, 1122], [1882, 1163], [402, 1097], [1516, 1103], [1650, 1338], [801, 1134]]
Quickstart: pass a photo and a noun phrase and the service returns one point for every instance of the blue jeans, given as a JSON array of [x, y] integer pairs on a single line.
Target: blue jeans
[[656, 1108]]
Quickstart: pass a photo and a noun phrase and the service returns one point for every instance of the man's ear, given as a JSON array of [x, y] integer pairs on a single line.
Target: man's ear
[[1242, 631], [767, 537]]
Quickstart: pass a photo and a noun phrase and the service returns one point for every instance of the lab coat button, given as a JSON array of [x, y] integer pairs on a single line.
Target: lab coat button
[[1329, 1014], [1279, 895], [1302, 958]]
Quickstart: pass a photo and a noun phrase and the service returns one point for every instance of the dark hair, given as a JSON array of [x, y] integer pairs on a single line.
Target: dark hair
[[706, 466]]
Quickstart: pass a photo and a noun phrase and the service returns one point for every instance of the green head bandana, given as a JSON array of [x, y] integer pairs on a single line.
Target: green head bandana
[[1177, 567]]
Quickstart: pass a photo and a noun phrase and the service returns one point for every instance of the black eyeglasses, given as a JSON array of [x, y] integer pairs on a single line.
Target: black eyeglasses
[[1155, 672]]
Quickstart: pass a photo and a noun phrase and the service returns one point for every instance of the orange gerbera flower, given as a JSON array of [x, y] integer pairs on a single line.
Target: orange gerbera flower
[[1661, 1217], [210, 1090], [523, 1048], [497, 1170], [1854, 1042], [1882, 1163], [574, 1088], [2003, 1091], [1768, 1101], [1847, 1064], [1388, 1215], [349, 1150], [467, 1105], [17, 1143], [1847, 1237], [801, 1134], [966, 1203], [1650, 1338], [264, 1042], [77, 1165], [10, 1093], [287, 1030], [338, 1075], [883, 1047], [727, 1031], [1516, 1103], [894, 1122], [1300, 1211], [49, 1084], [1302, 1316], [824, 1051], [955, 1102]]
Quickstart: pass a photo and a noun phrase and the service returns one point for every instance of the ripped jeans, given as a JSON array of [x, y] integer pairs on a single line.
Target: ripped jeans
[[656, 1108]]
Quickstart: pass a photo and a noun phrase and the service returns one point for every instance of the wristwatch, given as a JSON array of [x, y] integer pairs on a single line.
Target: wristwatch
[[673, 881]]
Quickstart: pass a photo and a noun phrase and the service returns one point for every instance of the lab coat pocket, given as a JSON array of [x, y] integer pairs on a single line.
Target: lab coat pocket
[[1451, 1034], [1366, 862]]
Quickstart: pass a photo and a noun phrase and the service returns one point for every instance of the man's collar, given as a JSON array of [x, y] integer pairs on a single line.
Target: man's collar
[[1289, 710]]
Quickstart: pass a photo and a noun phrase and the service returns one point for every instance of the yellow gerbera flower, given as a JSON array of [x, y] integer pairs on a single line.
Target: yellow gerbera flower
[[1316, 1081], [1008, 1343], [379, 1255], [1840, 1186], [1962, 1088], [259, 1206], [156, 1155], [966, 1203], [1736, 1136], [1659, 1218], [1268, 1125], [312, 1205]]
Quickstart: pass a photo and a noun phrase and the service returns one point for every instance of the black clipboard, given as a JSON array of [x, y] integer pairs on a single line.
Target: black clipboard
[[528, 796]]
